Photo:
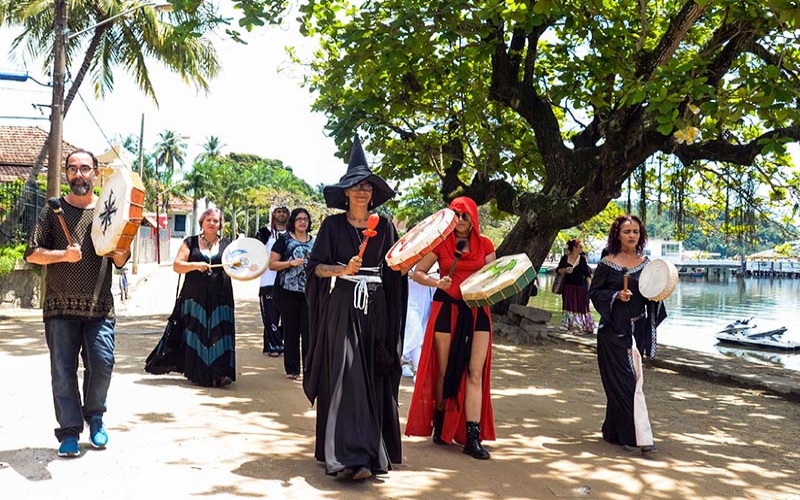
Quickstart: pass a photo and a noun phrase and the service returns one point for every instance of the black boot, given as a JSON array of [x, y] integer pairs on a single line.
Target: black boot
[[438, 423], [473, 445]]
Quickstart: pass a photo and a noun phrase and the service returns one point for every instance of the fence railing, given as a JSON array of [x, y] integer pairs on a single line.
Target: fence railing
[[17, 221]]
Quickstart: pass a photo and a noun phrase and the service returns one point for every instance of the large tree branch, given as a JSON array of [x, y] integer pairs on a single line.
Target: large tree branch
[[648, 63], [738, 154]]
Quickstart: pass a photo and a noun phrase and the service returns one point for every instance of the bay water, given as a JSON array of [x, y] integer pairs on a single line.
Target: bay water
[[700, 307]]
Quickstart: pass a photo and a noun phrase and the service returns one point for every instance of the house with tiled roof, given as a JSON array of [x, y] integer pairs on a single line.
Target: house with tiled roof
[[19, 148]]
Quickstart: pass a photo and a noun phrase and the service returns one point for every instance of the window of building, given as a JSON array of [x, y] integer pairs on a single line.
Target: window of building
[[180, 223], [670, 249]]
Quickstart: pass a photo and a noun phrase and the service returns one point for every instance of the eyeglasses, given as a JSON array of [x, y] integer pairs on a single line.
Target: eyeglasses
[[84, 169], [364, 186], [301, 219], [462, 216]]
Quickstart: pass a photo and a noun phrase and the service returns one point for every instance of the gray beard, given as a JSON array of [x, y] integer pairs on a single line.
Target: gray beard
[[80, 189]]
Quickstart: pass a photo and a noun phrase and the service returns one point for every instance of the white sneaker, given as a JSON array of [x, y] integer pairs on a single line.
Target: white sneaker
[[407, 371]]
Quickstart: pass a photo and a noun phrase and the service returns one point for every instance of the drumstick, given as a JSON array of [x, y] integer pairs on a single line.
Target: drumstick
[[372, 223], [460, 244], [55, 205], [235, 263]]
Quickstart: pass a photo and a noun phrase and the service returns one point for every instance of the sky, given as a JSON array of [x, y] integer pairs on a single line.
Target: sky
[[255, 105]]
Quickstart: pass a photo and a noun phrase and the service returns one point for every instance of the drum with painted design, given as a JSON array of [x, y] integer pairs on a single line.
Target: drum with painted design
[[245, 258], [421, 239], [118, 213], [498, 280]]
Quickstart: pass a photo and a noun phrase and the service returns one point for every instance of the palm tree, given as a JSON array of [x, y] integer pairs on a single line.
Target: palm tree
[[212, 147], [128, 43], [169, 152]]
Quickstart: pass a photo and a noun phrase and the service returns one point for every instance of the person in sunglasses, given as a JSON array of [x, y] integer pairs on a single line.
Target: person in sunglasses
[[452, 397], [357, 309]]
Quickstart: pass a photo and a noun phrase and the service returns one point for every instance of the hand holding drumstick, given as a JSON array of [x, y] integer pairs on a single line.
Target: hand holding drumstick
[[73, 251], [625, 294]]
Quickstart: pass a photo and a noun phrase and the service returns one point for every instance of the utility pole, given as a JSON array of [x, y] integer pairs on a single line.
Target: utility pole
[[57, 104], [135, 265]]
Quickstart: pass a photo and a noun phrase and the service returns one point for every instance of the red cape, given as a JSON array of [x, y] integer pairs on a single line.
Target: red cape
[[423, 401]]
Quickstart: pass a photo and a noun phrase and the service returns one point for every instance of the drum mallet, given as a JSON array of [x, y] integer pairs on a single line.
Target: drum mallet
[[624, 282], [460, 244], [55, 205], [372, 223]]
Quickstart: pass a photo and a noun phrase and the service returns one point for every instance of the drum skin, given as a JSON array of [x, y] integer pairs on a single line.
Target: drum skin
[[118, 213], [250, 255], [420, 240], [498, 280], [658, 280]]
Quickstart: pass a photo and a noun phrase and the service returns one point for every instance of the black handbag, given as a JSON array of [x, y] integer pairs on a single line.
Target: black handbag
[[558, 283], [167, 356]]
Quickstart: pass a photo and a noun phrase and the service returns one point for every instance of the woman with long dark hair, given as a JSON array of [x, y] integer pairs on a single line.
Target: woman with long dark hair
[[626, 334], [289, 256]]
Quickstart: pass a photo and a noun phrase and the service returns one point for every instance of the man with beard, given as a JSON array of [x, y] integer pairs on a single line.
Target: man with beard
[[78, 307], [273, 331]]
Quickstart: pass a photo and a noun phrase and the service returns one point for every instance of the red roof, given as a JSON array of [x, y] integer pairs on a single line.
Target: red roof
[[19, 147]]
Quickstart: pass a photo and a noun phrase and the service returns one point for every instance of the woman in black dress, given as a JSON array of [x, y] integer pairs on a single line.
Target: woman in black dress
[[357, 311], [575, 314], [206, 319], [626, 333]]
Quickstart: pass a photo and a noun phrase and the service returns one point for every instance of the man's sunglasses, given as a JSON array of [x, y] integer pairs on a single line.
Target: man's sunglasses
[[462, 216]]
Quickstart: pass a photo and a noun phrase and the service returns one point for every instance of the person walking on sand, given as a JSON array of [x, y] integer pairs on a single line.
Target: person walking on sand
[[270, 317], [357, 307], [452, 394], [575, 314], [626, 333], [78, 308]]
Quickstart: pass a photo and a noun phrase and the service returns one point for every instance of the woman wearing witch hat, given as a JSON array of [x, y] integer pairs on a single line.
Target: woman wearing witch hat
[[357, 307]]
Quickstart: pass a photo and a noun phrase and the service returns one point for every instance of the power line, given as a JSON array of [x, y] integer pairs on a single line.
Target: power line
[[110, 145]]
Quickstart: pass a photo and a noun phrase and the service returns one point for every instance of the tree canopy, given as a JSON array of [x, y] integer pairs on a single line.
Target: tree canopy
[[546, 108]]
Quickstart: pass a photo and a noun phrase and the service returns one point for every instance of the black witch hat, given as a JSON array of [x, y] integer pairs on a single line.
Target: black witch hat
[[357, 172]]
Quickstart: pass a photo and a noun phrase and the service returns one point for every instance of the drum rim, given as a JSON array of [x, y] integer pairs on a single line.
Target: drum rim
[[672, 279], [415, 257], [469, 296]]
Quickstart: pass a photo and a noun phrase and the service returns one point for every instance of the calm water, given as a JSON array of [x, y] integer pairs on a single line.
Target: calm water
[[700, 307]]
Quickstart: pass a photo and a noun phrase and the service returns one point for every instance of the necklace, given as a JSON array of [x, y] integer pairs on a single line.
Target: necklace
[[359, 236], [208, 243]]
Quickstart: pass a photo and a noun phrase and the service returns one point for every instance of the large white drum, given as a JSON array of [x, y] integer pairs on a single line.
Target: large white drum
[[420, 240], [118, 212], [498, 280], [658, 280], [245, 258]]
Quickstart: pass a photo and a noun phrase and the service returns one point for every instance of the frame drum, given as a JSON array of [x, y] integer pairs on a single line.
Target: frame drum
[[658, 280], [498, 280], [420, 240], [118, 212], [245, 258]]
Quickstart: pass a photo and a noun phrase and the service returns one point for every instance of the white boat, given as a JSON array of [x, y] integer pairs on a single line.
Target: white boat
[[747, 333]]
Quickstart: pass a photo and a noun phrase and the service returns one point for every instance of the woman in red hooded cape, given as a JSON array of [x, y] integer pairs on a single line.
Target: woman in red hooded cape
[[452, 394]]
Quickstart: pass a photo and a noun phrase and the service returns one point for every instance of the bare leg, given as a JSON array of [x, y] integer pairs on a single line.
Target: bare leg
[[477, 358], [441, 344]]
